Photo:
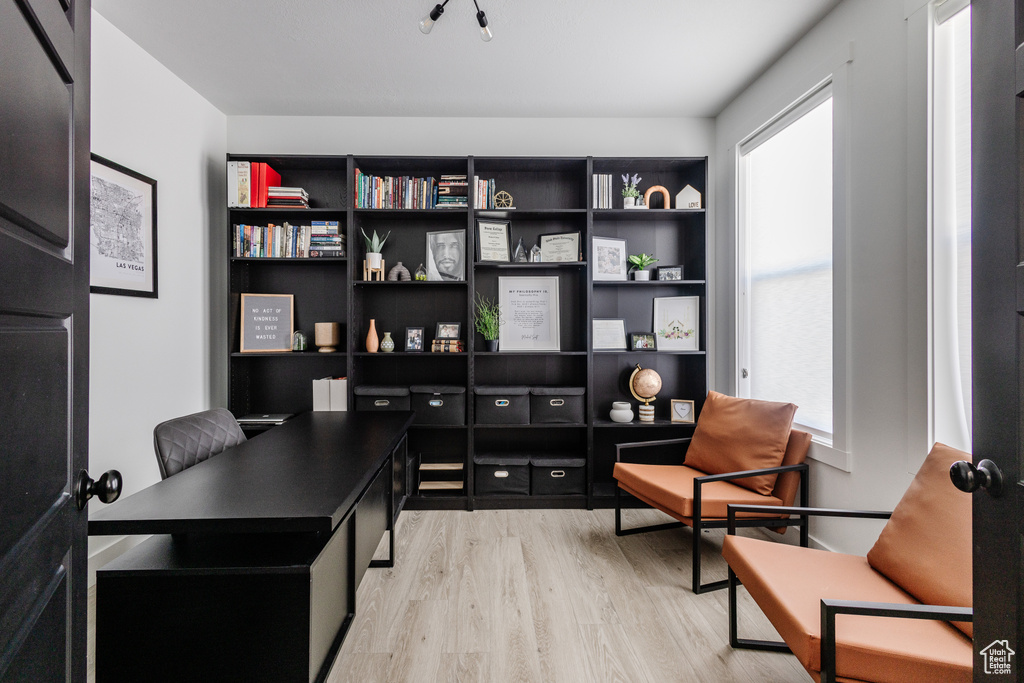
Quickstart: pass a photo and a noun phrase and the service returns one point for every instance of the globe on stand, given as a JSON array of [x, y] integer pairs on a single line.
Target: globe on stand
[[645, 384]]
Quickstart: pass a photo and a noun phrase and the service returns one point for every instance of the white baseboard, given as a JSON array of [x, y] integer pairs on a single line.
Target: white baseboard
[[110, 553]]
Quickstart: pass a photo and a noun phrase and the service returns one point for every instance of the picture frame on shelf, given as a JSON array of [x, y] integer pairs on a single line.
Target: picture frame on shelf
[[122, 230], [682, 410], [448, 331], [609, 334], [610, 264], [414, 339], [267, 323], [493, 241], [530, 315], [642, 341], [560, 247], [446, 256], [670, 273], [677, 323]]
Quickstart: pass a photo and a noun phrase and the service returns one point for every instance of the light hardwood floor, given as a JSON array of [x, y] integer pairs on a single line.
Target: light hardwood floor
[[547, 596]]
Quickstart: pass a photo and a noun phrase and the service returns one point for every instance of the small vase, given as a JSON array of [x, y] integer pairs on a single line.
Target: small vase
[[399, 273], [642, 275], [372, 341], [387, 344], [622, 411], [628, 202], [327, 336], [490, 345]]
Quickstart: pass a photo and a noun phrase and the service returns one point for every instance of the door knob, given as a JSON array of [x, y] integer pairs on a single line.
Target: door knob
[[969, 478], [107, 488]]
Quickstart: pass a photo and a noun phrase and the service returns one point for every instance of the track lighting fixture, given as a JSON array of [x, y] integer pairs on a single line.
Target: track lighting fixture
[[427, 22]]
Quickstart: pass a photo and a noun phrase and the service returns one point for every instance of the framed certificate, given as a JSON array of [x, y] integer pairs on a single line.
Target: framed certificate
[[561, 247], [529, 311], [609, 334], [493, 241]]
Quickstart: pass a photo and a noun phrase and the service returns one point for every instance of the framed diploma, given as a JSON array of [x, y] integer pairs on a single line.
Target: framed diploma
[[560, 247], [529, 311], [609, 334], [493, 241]]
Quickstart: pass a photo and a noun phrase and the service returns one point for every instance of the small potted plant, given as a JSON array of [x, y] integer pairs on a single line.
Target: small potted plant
[[488, 321], [641, 261], [630, 193], [373, 248]]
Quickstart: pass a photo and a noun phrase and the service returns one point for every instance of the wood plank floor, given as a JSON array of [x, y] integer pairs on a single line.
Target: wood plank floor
[[545, 595]]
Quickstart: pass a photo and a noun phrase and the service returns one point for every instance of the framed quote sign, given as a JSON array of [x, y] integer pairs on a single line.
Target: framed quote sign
[[529, 311], [267, 322]]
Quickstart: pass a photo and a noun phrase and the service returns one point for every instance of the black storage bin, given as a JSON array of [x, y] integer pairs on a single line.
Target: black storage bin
[[382, 398], [556, 405], [502, 405], [501, 474], [557, 476], [439, 404]]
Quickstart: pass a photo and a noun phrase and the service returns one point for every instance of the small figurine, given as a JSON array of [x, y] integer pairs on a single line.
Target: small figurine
[[535, 254]]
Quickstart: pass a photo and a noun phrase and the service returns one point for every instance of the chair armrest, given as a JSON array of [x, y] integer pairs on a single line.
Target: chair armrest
[[619, 447], [830, 608], [727, 476], [733, 508]]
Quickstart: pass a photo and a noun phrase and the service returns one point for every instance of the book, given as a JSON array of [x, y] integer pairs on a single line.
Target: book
[[264, 177], [330, 393], [239, 184]]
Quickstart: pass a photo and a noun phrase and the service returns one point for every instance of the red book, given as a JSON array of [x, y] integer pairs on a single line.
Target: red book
[[263, 177]]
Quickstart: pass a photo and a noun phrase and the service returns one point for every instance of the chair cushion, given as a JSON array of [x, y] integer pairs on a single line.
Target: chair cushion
[[185, 441], [788, 583], [670, 489], [736, 434], [925, 548]]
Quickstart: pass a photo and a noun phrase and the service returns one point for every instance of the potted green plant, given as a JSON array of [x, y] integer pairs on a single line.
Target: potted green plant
[[488, 321], [641, 261], [373, 248], [630, 193]]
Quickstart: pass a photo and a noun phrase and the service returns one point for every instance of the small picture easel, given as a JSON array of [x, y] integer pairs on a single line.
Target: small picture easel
[[373, 273]]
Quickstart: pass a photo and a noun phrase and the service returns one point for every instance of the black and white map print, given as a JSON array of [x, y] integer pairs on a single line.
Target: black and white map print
[[121, 230]]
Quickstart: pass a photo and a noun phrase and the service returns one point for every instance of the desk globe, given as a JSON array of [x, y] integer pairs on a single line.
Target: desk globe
[[644, 384]]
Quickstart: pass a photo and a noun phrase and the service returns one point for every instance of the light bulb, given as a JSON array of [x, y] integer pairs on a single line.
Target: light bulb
[[427, 22], [485, 33]]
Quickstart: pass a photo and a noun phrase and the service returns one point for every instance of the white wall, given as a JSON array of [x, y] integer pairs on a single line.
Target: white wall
[[154, 359], [882, 374]]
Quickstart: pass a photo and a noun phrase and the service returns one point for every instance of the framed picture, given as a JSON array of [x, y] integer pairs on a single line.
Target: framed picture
[[414, 339], [493, 241], [446, 255], [670, 272], [682, 411], [267, 323], [609, 334], [559, 247], [610, 259], [122, 230], [641, 341], [677, 323], [448, 330], [529, 310]]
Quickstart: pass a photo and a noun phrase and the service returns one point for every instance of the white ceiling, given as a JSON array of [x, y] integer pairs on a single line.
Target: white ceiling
[[554, 58]]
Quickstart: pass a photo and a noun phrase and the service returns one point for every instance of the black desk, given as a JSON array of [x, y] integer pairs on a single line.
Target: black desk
[[259, 552]]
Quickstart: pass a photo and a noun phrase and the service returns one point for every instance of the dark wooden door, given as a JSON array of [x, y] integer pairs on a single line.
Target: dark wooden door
[[998, 302], [44, 342]]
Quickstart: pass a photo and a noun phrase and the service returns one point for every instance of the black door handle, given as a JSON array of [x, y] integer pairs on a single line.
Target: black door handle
[[969, 478], [107, 488]]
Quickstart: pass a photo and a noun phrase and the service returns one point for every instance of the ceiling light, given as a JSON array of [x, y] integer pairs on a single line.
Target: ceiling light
[[485, 33], [427, 22]]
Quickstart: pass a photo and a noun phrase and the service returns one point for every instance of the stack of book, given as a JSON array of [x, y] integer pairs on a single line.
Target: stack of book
[[321, 239], [390, 192], [453, 192], [248, 182], [447, 346], [287, 198], [326, 240], [603, 190], [484, 198]]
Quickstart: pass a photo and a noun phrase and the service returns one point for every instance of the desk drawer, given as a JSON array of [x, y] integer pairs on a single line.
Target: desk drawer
[[372, 520]]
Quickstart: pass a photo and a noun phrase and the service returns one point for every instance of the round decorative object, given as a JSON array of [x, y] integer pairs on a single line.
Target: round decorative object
[[399, 273], [622, 411], [421, 273], [387, 344], [299, 341], [503, 200], [644, 384]]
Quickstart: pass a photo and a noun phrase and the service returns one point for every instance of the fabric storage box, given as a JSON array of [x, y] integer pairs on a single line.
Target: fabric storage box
[[502, 405], [438, 404], [382, 398], [557, 476], [556, 404], [501, 474]]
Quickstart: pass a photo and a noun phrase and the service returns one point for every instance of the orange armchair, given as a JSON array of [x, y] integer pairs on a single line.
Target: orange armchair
[[743, 451]]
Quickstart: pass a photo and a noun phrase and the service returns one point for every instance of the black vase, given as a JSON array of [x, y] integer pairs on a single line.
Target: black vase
[[491, 345]]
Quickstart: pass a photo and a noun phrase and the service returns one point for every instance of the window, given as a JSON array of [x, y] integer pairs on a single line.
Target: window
[[785, 269]]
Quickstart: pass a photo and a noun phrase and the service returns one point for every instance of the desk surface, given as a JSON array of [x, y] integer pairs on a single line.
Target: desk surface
[[302, 476]]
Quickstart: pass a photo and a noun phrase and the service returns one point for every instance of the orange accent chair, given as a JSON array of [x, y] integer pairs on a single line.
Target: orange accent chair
[[742, 451], [918, 574]]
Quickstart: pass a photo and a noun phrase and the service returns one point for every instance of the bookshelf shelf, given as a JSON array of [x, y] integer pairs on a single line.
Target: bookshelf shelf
[[530, 266]]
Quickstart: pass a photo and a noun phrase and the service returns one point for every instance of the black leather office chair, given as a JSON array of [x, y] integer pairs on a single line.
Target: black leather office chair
[[185, 441]]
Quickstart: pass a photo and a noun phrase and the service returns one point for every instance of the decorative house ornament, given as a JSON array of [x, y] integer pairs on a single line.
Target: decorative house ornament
[[399, 273], [688, 198], [503, 200], [664, 195]]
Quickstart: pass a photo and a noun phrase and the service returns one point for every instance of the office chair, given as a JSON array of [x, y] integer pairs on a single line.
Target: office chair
[[184, 441]]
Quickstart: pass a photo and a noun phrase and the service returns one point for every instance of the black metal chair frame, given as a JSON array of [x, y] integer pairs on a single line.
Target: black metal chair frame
[[830, 608], [699, 523]]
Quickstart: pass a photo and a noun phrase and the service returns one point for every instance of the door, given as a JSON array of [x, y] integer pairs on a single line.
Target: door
[[44, 328], [998, 324]]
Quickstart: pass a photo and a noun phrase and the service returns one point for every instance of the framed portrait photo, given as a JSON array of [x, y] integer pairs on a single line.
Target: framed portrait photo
[[448, 330], [642, 341], [682, 411], [610, 259], [609, 334], [670, 273], [122, 230], [677, 323], [414, 339], [446, 256], [493, 240], [561, 247]]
